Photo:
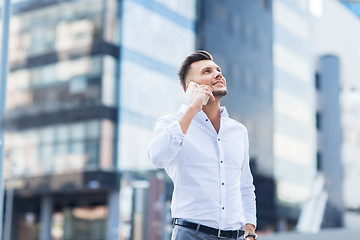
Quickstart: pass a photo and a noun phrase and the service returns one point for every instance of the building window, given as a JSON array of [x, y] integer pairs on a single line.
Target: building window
[[318, 120], [62, 148], [319, 161], [317, 81], [266, 4], [79, 222], [28, 224]]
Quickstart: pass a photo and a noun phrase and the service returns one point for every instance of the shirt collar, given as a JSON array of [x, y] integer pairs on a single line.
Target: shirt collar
[[223, 111]]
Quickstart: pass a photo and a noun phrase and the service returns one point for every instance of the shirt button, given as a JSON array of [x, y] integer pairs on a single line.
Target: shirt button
[[223, 208], [222, 183], [221, 161], [218, 139], [207, 120]]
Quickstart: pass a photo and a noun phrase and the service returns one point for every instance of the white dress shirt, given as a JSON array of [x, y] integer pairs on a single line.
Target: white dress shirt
[[213, 184]]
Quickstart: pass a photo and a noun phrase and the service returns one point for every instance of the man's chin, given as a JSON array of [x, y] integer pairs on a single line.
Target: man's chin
[[220, 93]]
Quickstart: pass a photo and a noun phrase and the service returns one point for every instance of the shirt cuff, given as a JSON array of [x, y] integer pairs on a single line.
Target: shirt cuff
[[251, 221], [176, 132]]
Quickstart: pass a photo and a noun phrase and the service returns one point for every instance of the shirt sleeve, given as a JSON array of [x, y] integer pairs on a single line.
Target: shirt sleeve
[[166, 143], [247, 187]]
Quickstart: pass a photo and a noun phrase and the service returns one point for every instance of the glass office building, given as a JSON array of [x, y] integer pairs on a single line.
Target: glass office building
[[285, 39], [85, 77], [61, 117], [89, 78], [155, 38], [61, 97], [240, 40], [294, 107]]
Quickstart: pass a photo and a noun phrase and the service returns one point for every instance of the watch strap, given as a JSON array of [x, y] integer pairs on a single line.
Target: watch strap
[[251, 235]]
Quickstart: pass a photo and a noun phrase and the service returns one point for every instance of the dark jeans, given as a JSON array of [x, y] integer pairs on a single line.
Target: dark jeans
[[183, 233]]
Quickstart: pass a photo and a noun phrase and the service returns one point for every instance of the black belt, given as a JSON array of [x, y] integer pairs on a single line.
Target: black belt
[[208, 230]]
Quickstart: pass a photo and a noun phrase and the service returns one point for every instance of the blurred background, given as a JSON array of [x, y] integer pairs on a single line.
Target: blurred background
[[87, 80]]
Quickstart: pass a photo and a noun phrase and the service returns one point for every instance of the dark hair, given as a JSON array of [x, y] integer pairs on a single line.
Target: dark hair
[[199, 55]]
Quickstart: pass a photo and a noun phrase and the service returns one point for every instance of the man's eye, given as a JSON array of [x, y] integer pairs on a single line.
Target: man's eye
[[207, 71]]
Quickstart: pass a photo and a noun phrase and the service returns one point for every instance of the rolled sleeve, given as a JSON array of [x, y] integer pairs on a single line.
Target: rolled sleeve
[[175, 132], [166, 143]]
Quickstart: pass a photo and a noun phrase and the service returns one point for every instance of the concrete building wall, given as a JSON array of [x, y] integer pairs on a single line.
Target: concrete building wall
[[329, 126], [340, 36]]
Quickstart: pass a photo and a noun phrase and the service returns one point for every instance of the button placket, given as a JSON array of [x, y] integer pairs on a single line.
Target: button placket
[[222, 181]]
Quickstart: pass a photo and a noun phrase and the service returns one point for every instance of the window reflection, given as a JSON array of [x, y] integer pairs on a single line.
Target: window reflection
[[56, 28], [81, 223], [70, 147], [53, 87], [63, 85], [28, 226]]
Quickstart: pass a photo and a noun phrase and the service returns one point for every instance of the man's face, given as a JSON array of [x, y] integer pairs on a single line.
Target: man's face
[[208, 73]]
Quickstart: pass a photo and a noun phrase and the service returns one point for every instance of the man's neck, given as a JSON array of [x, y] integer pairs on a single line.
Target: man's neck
[[212, 110]]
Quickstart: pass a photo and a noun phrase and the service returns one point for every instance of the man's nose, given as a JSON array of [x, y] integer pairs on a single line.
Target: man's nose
[[218, 75]]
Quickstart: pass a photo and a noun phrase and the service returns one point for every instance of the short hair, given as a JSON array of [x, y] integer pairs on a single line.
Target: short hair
[[199, 55]]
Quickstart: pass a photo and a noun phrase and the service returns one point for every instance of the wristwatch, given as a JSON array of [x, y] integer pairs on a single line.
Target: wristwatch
[[251, 235]]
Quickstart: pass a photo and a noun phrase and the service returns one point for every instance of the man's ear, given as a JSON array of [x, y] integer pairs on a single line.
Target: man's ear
[[187, 84]]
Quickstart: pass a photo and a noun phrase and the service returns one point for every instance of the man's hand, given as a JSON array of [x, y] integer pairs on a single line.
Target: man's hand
[[249, 228], [199, 94]]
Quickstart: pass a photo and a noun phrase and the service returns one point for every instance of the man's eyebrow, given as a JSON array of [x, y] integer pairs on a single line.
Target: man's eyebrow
[[205, 68], [210, 67]]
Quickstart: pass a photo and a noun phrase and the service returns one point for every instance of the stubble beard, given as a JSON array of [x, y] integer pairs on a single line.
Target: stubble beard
[[220, 93]]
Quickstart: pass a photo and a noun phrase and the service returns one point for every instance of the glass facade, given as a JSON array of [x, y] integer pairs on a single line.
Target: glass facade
[[243, 49], [155, 38], [149, 60], [80, 222], [61, 148], [61, 26], [240, 40], [294, 104], [29, 226], [88, 79], [80, 104], [61, 79], [54, 87], [70, 218]]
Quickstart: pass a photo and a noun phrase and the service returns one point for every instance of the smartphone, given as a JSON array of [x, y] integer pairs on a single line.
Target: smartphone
[[191, 87]]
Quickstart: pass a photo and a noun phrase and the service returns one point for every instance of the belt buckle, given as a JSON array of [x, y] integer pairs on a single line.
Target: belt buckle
[[219, 234]]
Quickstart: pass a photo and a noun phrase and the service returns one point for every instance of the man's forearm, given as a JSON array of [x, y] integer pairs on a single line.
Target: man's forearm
[[249, 228], [186, 118]]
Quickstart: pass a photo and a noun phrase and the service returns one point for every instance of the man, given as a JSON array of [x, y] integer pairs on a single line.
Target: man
[[205, 153]]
